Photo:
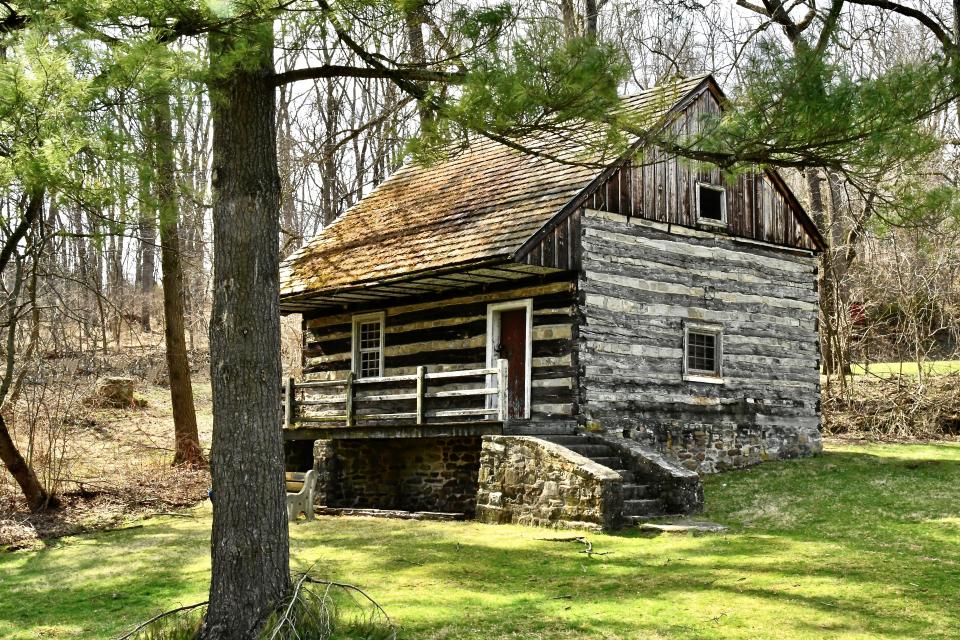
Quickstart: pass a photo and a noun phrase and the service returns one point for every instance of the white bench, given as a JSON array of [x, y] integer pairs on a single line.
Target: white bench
[[300, 490]]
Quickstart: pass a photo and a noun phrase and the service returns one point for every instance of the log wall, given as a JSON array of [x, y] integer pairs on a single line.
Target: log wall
[[451, 334], [640, 281]]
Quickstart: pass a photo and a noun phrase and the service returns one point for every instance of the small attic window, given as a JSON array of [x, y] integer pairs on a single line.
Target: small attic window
[[711, 204]]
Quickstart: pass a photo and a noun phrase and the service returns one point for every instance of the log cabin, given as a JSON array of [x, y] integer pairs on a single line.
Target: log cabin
[[527, 337]]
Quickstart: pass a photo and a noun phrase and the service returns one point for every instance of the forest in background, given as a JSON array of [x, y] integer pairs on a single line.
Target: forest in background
[[109, 205], [106, 263]]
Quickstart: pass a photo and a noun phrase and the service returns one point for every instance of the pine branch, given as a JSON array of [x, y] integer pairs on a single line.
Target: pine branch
[[380, 72]]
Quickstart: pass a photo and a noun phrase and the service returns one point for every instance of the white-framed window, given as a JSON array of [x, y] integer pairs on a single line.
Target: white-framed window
[[368, 335], [703, 352], [711, 204]]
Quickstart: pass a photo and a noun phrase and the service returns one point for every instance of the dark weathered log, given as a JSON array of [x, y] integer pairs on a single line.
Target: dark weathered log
[[452, 333]]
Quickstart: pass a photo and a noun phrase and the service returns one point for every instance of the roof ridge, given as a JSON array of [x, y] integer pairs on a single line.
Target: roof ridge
[[678, 80]]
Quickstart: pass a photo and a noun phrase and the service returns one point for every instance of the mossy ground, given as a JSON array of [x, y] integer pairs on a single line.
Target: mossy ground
[[862, 542]]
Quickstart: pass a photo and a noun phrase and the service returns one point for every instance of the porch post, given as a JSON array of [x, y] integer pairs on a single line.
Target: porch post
[[348, 392], [421, 389], [289, 389], [502, 396]]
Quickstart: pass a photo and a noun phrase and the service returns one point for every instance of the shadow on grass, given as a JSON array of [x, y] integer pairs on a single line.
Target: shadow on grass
[[852, 543], [85, 585], [849, 541]]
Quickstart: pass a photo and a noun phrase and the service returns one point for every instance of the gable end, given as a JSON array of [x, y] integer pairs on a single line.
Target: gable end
[[662, 188]]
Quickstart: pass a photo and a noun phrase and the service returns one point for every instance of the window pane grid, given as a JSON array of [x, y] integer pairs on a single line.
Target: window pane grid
[[702, 352], [370, 335], [369, 355]]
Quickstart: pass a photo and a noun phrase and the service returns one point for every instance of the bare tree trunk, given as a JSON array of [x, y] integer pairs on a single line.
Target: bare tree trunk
[[22, 472], [569, 13], [83, 276], [250, 539], [36, 497], [148, 240], [329, 190], [818, 213], [187, 449], [591, 9], [418, 54]]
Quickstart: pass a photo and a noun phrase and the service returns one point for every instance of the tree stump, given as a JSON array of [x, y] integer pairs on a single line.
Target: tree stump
[[114, 392]]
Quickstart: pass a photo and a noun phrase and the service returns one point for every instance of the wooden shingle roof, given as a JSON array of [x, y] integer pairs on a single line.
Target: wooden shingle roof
[[479, 205]]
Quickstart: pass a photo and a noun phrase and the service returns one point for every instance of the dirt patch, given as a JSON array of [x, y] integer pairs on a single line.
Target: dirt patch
[[107, 466], [106, 507]]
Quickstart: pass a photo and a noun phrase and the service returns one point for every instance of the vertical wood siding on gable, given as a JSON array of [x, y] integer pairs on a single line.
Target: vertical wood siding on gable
[[640, 282], [451, 334], [661, 187], [560, 247]]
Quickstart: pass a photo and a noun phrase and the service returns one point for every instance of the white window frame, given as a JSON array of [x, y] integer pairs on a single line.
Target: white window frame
[[697, 375], [722, 222], [364, 318], [493, 329]]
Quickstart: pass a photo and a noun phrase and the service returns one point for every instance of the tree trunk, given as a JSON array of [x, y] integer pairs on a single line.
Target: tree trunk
[[570, 27], [592, 10], [36, 497], [329, 189], [148, 239], [418, 55], [187, 449], [250, 540], [818, 214]]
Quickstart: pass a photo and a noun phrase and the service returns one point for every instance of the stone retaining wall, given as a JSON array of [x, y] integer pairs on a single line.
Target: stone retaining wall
[[710, 448], [408, 474], [524, 480]]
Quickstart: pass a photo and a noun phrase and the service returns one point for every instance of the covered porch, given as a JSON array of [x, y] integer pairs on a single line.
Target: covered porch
[[468, 402]]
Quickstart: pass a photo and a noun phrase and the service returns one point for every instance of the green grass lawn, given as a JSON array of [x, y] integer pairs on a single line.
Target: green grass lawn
[[863, 542], [887, 369]]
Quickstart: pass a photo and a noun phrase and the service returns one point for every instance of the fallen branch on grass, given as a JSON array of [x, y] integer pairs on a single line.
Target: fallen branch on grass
[[587, 545], [161, 616], [307, 612]]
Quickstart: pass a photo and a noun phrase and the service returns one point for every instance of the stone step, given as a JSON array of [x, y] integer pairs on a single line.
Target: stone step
[[626, 474], [548, 428], [644, 507], [635, 520], [612, 462], [633, 491], [592, 451], [565, 440]]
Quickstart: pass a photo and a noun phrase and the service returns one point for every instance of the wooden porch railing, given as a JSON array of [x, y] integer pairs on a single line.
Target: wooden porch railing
[[337, 401]]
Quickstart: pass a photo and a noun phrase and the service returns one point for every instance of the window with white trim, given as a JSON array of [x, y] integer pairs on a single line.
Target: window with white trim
[[368, 345], [702, 351], [711, 204]]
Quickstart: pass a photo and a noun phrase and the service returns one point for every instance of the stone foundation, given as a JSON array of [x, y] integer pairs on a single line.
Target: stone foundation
[[407, 474], [525, 480], [710, 448]]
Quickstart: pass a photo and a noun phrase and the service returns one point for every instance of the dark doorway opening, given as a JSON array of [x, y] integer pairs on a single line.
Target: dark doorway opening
[[512, 346]]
